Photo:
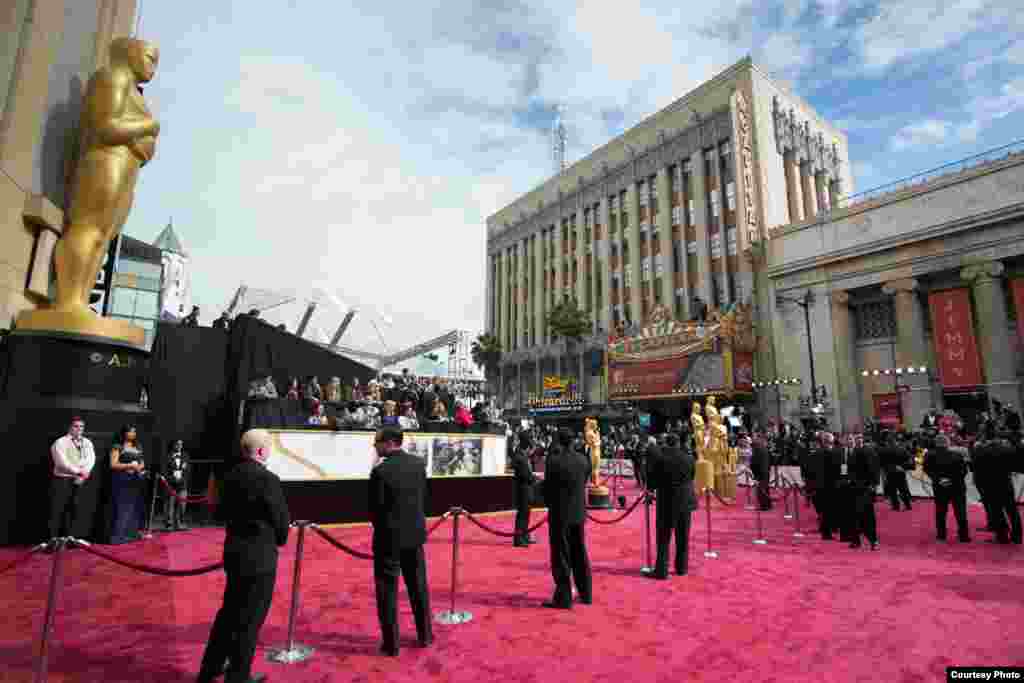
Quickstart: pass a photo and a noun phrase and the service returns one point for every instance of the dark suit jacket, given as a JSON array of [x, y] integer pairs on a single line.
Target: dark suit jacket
[[670, 473], [523, 471], [398, 491], [761, 463], [565, 486], [942, 463], [864, 467], [256, 516]]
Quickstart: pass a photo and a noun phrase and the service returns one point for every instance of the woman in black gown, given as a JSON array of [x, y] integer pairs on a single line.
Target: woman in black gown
[[128, 487]]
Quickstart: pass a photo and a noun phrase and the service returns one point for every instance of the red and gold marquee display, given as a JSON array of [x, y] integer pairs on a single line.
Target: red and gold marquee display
[[667, 357]]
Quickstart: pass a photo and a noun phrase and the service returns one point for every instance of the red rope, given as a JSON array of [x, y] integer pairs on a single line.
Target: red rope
[[20, 560], [433, 527], [620, 517], [183, 497], [724, 501], [506, 534], [158, 571], [341, 546]]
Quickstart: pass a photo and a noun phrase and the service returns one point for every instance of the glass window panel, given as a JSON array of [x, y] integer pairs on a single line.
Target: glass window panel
[[147, 304], [140, 268], [124, 301]]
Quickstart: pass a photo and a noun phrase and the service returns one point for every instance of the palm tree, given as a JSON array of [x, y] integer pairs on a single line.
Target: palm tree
[[568, 321], [486, 352]]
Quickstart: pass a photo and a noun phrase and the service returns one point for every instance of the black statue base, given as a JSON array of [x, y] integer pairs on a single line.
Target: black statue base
[[598, 499], [44, 382]]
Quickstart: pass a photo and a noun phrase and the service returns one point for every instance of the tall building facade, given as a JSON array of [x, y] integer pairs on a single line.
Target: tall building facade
[[670, 214], [49, 51]]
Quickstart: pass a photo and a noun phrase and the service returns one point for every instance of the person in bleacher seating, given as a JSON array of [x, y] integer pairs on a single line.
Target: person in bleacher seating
[[408, 420], [319, 416], [389, 418], [463, 417], [333, 392], [440, 412], [294, 389], [312, 391]]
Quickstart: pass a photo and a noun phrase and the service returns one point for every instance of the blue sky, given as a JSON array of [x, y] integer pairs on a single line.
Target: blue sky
[[357, 148]]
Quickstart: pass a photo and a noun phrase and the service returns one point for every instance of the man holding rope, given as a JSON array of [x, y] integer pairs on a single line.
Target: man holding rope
[[257, 521]]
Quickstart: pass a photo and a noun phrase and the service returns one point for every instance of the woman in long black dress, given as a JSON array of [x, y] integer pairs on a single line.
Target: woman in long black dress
[[128, 487]]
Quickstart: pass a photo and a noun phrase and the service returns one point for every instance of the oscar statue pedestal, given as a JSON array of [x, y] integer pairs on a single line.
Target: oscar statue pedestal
[[46, 378], [599, 498]]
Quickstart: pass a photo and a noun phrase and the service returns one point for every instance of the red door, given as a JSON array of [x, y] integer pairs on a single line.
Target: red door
[[887, 409]]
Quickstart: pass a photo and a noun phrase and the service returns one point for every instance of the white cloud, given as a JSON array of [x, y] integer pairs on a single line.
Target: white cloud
[[927, 132], [901, 30]]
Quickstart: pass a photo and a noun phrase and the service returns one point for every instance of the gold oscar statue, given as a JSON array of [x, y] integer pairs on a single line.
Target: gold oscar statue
[[597, 493], [718, 445], [117, 137], [704, 475]]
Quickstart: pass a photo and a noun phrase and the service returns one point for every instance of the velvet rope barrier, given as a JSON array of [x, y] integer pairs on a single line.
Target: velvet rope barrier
[[507, 534], [621, 517], [185, 498], [157, 571], [339, 545], [440, 520], [24, 558], [724, 501]]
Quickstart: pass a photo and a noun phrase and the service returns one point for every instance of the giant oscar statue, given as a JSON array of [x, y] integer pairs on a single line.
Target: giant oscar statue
[[118, 136], [63, 360]]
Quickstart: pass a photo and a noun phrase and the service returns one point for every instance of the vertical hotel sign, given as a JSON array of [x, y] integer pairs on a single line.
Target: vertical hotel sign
[[955, 345], [745, 163], [1017, 285]]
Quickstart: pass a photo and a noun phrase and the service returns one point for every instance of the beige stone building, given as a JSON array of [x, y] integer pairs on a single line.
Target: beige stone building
[[673, 209], [925, 275], [49, 51]]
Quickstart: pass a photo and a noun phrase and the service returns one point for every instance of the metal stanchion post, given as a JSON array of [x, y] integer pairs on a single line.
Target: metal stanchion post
[[615, 480], [709, 553], [786, 513], [796, 510], [648, 567], [152, 507], [451, 617], [51, 604], [293, 652], [750, 485], [760, 540]]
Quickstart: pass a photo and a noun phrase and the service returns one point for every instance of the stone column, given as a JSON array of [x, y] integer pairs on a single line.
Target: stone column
[[794, 194], [605, 266], [559, 284], [910, 349], [633, 202], [821, 192], [700, 219], [847, 390], [808, 190], [664, 223], [539, 289], [835, 191], [993, 327], [684, 263]]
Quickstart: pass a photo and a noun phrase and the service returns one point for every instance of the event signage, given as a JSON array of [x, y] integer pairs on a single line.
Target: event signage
[[955, 345], [313, 454], [1017, 285]]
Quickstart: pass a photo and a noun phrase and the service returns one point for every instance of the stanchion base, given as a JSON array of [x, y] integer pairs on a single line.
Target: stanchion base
[[787, 516], [710, 554], [798, 534], [646, 570], [760, 541], [298, 653], [450, 618], [599, 499], [749, 507]]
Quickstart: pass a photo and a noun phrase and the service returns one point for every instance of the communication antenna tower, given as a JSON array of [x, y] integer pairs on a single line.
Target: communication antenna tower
[[558, 140]]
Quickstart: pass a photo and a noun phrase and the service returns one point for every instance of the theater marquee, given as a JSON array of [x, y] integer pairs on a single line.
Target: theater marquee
[[668, 358]]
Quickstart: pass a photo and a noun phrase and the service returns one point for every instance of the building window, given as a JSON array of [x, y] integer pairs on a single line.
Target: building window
[[731, 237], [641, 190], [691, 247], [645, 269], [659, 265], [876, 320], [677, 215], [730, 195]]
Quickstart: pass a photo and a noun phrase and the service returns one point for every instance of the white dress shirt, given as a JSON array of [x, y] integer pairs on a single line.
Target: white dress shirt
[[72, 460]]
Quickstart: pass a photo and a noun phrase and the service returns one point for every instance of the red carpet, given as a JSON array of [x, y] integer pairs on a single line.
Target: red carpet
[[793, 610]]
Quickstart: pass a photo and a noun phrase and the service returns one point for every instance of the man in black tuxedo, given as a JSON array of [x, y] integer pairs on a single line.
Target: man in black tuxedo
[[761, 467], [947, 469], [671, 474], [865, 472], [894, 459], [840, 481], [256, 515], [397, 497], [566, 472], [524, 482], [1005, 517]]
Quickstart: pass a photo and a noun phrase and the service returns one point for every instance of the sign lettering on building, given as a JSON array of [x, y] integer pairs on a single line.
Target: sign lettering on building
[[956, 347], [746, 164]]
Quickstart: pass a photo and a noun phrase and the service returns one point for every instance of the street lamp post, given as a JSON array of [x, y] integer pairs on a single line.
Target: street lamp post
[[805, 302]]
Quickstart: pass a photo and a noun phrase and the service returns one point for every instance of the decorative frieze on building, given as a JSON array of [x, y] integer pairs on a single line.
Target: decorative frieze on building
[[807, 145]]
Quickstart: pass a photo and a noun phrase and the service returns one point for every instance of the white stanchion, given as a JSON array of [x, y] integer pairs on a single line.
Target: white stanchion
[[450, 617], [293, 652]]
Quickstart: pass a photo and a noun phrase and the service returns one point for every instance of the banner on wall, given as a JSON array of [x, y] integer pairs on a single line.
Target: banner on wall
[[955, 344], [1017, 285]]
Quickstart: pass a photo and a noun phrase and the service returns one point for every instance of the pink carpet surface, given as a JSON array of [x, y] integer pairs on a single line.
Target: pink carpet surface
[[795, 609]]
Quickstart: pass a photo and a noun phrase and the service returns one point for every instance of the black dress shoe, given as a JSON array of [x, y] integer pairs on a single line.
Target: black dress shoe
[[587, 601], [520, 544], [531, 541], [555, 605], [854, 544], [874, 545], [388, 651], [659, 577], [425, 642]]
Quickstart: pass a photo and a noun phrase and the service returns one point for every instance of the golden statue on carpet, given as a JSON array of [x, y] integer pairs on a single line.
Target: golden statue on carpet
[[704, 474], [117, 137], [597, 493], [718, 451]]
